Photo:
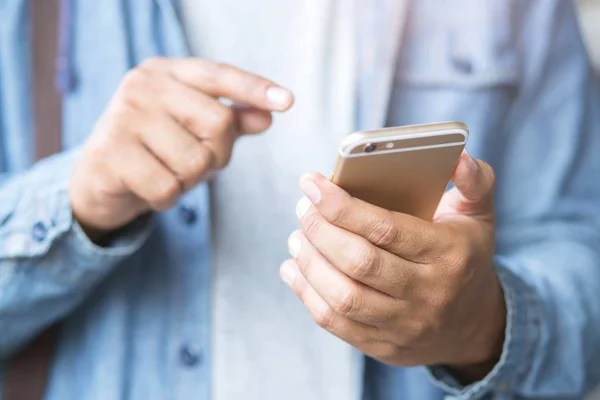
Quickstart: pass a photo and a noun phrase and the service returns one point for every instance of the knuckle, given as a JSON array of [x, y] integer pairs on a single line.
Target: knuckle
[[347, 302], [225, 118], [440, 301], [122, 113], [413, 333], [465, 274], [101, 184], [221, 67], [115, 125], [135, 80], [101, 143], [195, 164], [166, 193], [312, 224], [337, 214], [221, 118], [418, 330], [305, 264], [386, 352], [363, 263], [388, 317], [208, 70], [324, 318], [222, 153], [384, 233], [223, 159], [218, 71], [135, 87], [152, 63], [191, 123]]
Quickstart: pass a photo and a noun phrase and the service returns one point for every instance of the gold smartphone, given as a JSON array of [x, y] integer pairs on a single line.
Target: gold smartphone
[[404, 169]]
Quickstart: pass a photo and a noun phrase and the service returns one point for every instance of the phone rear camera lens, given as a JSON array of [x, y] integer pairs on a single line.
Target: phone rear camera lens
[[370, 148]]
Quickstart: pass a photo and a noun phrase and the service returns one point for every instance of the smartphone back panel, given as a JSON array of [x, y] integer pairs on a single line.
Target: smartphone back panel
[[403, 169]]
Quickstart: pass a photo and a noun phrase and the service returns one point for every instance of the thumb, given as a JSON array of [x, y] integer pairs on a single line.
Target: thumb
[[473, 192]]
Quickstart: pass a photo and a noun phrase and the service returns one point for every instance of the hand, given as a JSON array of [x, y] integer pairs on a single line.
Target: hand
[[402, 290], [164, 132]]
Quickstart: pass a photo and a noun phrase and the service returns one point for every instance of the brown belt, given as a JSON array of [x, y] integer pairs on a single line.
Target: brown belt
[[27, 373]]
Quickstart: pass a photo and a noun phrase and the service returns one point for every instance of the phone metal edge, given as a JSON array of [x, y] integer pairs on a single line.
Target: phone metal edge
[[346, 151], [416, 148]]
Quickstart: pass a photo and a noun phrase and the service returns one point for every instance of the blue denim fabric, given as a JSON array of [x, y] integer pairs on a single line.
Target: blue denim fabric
[[136, 313]]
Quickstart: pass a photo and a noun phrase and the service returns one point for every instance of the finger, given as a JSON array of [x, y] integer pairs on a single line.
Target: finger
[[206, 118], [188, 158], [216, 124], [366, 338], [250, 120], [401, 234], [345, 296], [157, 91], [210, 123], [200, 114], [353, 332], [154, 91], [356, 257], [147, 177], [473, 191], [222, 80]]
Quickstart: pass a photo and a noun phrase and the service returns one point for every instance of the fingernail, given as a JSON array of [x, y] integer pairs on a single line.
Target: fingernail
[[302, 207], [294, 245], [279, 98], [288, 273], [310, 189]]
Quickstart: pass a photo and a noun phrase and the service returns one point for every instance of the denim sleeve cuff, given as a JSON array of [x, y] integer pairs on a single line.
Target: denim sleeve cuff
[[42, 227], [522, 331]]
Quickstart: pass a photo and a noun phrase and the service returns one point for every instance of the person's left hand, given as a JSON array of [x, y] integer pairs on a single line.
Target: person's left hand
[[402, 290]]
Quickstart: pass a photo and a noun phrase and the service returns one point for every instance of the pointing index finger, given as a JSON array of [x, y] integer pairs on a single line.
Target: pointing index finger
[[223, 80]]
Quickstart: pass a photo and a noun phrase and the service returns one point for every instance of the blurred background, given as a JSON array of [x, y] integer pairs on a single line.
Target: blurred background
[[589, 14]]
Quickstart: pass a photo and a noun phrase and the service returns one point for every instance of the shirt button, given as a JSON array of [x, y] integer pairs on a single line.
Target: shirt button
[[190, 355], [188, 215], [463, 65], [39, 231]]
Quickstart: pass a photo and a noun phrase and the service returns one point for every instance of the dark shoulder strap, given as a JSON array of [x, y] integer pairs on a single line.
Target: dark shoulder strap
[[27, 373], [45, 17]]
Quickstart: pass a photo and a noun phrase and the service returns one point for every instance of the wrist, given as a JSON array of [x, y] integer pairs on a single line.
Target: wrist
[[95, 233], [86, 213], [485, 353], [97, 236], [100, 218]]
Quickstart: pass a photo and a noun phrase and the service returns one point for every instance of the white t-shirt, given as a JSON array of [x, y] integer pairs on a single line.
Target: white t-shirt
[[258, 323]]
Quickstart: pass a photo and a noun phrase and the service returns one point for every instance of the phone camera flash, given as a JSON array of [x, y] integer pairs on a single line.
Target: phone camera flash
[[389, 145]]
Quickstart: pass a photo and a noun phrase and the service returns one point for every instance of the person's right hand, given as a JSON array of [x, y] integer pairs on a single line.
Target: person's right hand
[[164, 132]]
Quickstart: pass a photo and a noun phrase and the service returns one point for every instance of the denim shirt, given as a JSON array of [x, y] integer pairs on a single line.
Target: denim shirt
[[134, 315]]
